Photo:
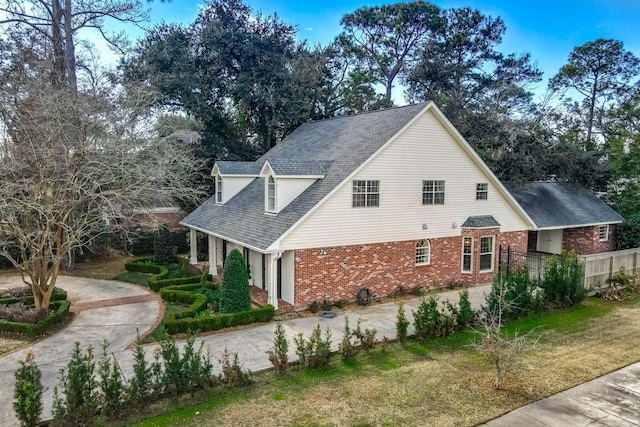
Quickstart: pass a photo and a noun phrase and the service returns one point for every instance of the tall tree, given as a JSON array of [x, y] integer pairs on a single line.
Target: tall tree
[[73, 162], [58, 22], [599, 71], [480, 89], [386, 37]]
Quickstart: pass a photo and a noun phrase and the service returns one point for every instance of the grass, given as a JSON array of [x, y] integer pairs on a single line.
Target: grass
[[160, 332], [133, 277], [444, 382]]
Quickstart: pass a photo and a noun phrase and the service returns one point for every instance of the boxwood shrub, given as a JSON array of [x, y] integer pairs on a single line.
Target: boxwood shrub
[[160, 272], [60, 310], [58, 294], [221, 321]]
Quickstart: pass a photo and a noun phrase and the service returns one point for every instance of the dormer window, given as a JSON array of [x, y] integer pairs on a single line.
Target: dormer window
[[271, 194], [218, 189]]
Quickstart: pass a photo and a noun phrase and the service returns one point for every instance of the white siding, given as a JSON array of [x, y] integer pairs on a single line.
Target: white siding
[[288, 279], [232, 185], [290, 188], [549, 241], [425, 151]]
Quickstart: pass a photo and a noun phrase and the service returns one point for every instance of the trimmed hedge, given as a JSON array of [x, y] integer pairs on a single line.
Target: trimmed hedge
[[160, 272], [221, 321], [58, 294], [32, 330]]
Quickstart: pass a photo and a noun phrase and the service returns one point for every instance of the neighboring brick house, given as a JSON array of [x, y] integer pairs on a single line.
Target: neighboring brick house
[[568, 218], [386, 199]]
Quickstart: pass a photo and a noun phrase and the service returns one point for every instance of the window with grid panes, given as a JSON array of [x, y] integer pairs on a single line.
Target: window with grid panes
[[366, 193], [432, 192]]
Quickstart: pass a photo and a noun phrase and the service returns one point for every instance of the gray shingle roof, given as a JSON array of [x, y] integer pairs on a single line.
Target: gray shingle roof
[[343, 143], [481, 221], [299, 167], [557, 204], [238, 168]]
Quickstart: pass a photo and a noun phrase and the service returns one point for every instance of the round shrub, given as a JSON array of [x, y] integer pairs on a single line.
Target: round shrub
[[234, 293]]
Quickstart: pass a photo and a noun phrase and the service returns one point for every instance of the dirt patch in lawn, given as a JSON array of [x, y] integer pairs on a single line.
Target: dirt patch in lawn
[[444, 387]]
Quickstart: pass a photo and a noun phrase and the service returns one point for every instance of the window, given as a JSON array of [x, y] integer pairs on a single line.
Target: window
[[219, 189], [467, 254], [486, 253], [603, 233], [366, 193], [482, 191], [423, 252], [271, 194], [433, 192]]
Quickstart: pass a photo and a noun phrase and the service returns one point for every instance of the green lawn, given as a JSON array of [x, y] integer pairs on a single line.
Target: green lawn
[[443, 382], [133, 277]]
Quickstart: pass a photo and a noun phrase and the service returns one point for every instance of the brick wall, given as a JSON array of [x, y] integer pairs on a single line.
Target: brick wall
[[337, 273], [585, 240]]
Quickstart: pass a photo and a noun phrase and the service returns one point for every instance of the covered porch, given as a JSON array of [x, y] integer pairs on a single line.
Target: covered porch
[[271, 274]]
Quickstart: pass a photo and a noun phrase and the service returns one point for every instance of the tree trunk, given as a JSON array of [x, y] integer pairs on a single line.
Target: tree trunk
[[58, 74], [41, 299], [70, 49], [589, 145]]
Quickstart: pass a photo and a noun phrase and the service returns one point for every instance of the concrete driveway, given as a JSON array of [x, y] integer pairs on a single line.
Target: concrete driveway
[[104, 310], [115, 310]]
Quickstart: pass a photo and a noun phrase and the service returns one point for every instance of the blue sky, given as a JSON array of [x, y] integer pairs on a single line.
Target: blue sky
[[548, 29]]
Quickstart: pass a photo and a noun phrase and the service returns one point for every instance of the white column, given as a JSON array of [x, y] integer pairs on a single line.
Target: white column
[[193, 243], [272, 281], [213, 256]]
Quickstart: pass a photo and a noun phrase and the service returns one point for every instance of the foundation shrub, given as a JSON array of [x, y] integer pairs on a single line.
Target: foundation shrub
[[513, 292], [562, 282], [220, 321], [314, 352], [234, 292], [58, 311]]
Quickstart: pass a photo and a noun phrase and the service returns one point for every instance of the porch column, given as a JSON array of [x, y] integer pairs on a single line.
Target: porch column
[[272, 283], [213, 256], [193, 244]]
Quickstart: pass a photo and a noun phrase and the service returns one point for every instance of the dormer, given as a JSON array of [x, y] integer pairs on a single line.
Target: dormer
[[229, 178], [284, 180]]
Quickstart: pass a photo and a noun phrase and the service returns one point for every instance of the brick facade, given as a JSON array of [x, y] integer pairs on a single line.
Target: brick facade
[[585, 240], [336, 273]]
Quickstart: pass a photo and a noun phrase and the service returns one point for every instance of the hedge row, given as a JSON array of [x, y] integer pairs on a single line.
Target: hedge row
[[32, 330], [57, 295], [198, 302], [158, 280], [220, 321]]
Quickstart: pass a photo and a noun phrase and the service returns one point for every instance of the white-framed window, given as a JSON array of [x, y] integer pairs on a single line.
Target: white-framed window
[[366, 193], [219, 189], [486, 253], [423, 252], [482, 191], [603, 233], [467, 254], [271, 194], [432, 192]]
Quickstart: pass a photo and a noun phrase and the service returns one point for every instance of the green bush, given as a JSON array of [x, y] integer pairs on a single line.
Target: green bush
[[316, 351], [464, 313], [562, 282], [234, 292], [429, 321], [628, 233], [78, 404], [220, 321], [27, 392], [111, 385], [198, 302], [402, 324], [279, 354], [519, 293], [58, 294], [164, 251], [32, 330]]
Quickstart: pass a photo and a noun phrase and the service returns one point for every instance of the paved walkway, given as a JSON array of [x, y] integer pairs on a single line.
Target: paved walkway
[[610, 400]]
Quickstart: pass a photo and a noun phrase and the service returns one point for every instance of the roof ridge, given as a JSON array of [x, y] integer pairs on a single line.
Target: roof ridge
[[367, 112]]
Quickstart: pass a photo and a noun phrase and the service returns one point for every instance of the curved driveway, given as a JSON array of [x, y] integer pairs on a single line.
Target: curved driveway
[[104, 310]]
